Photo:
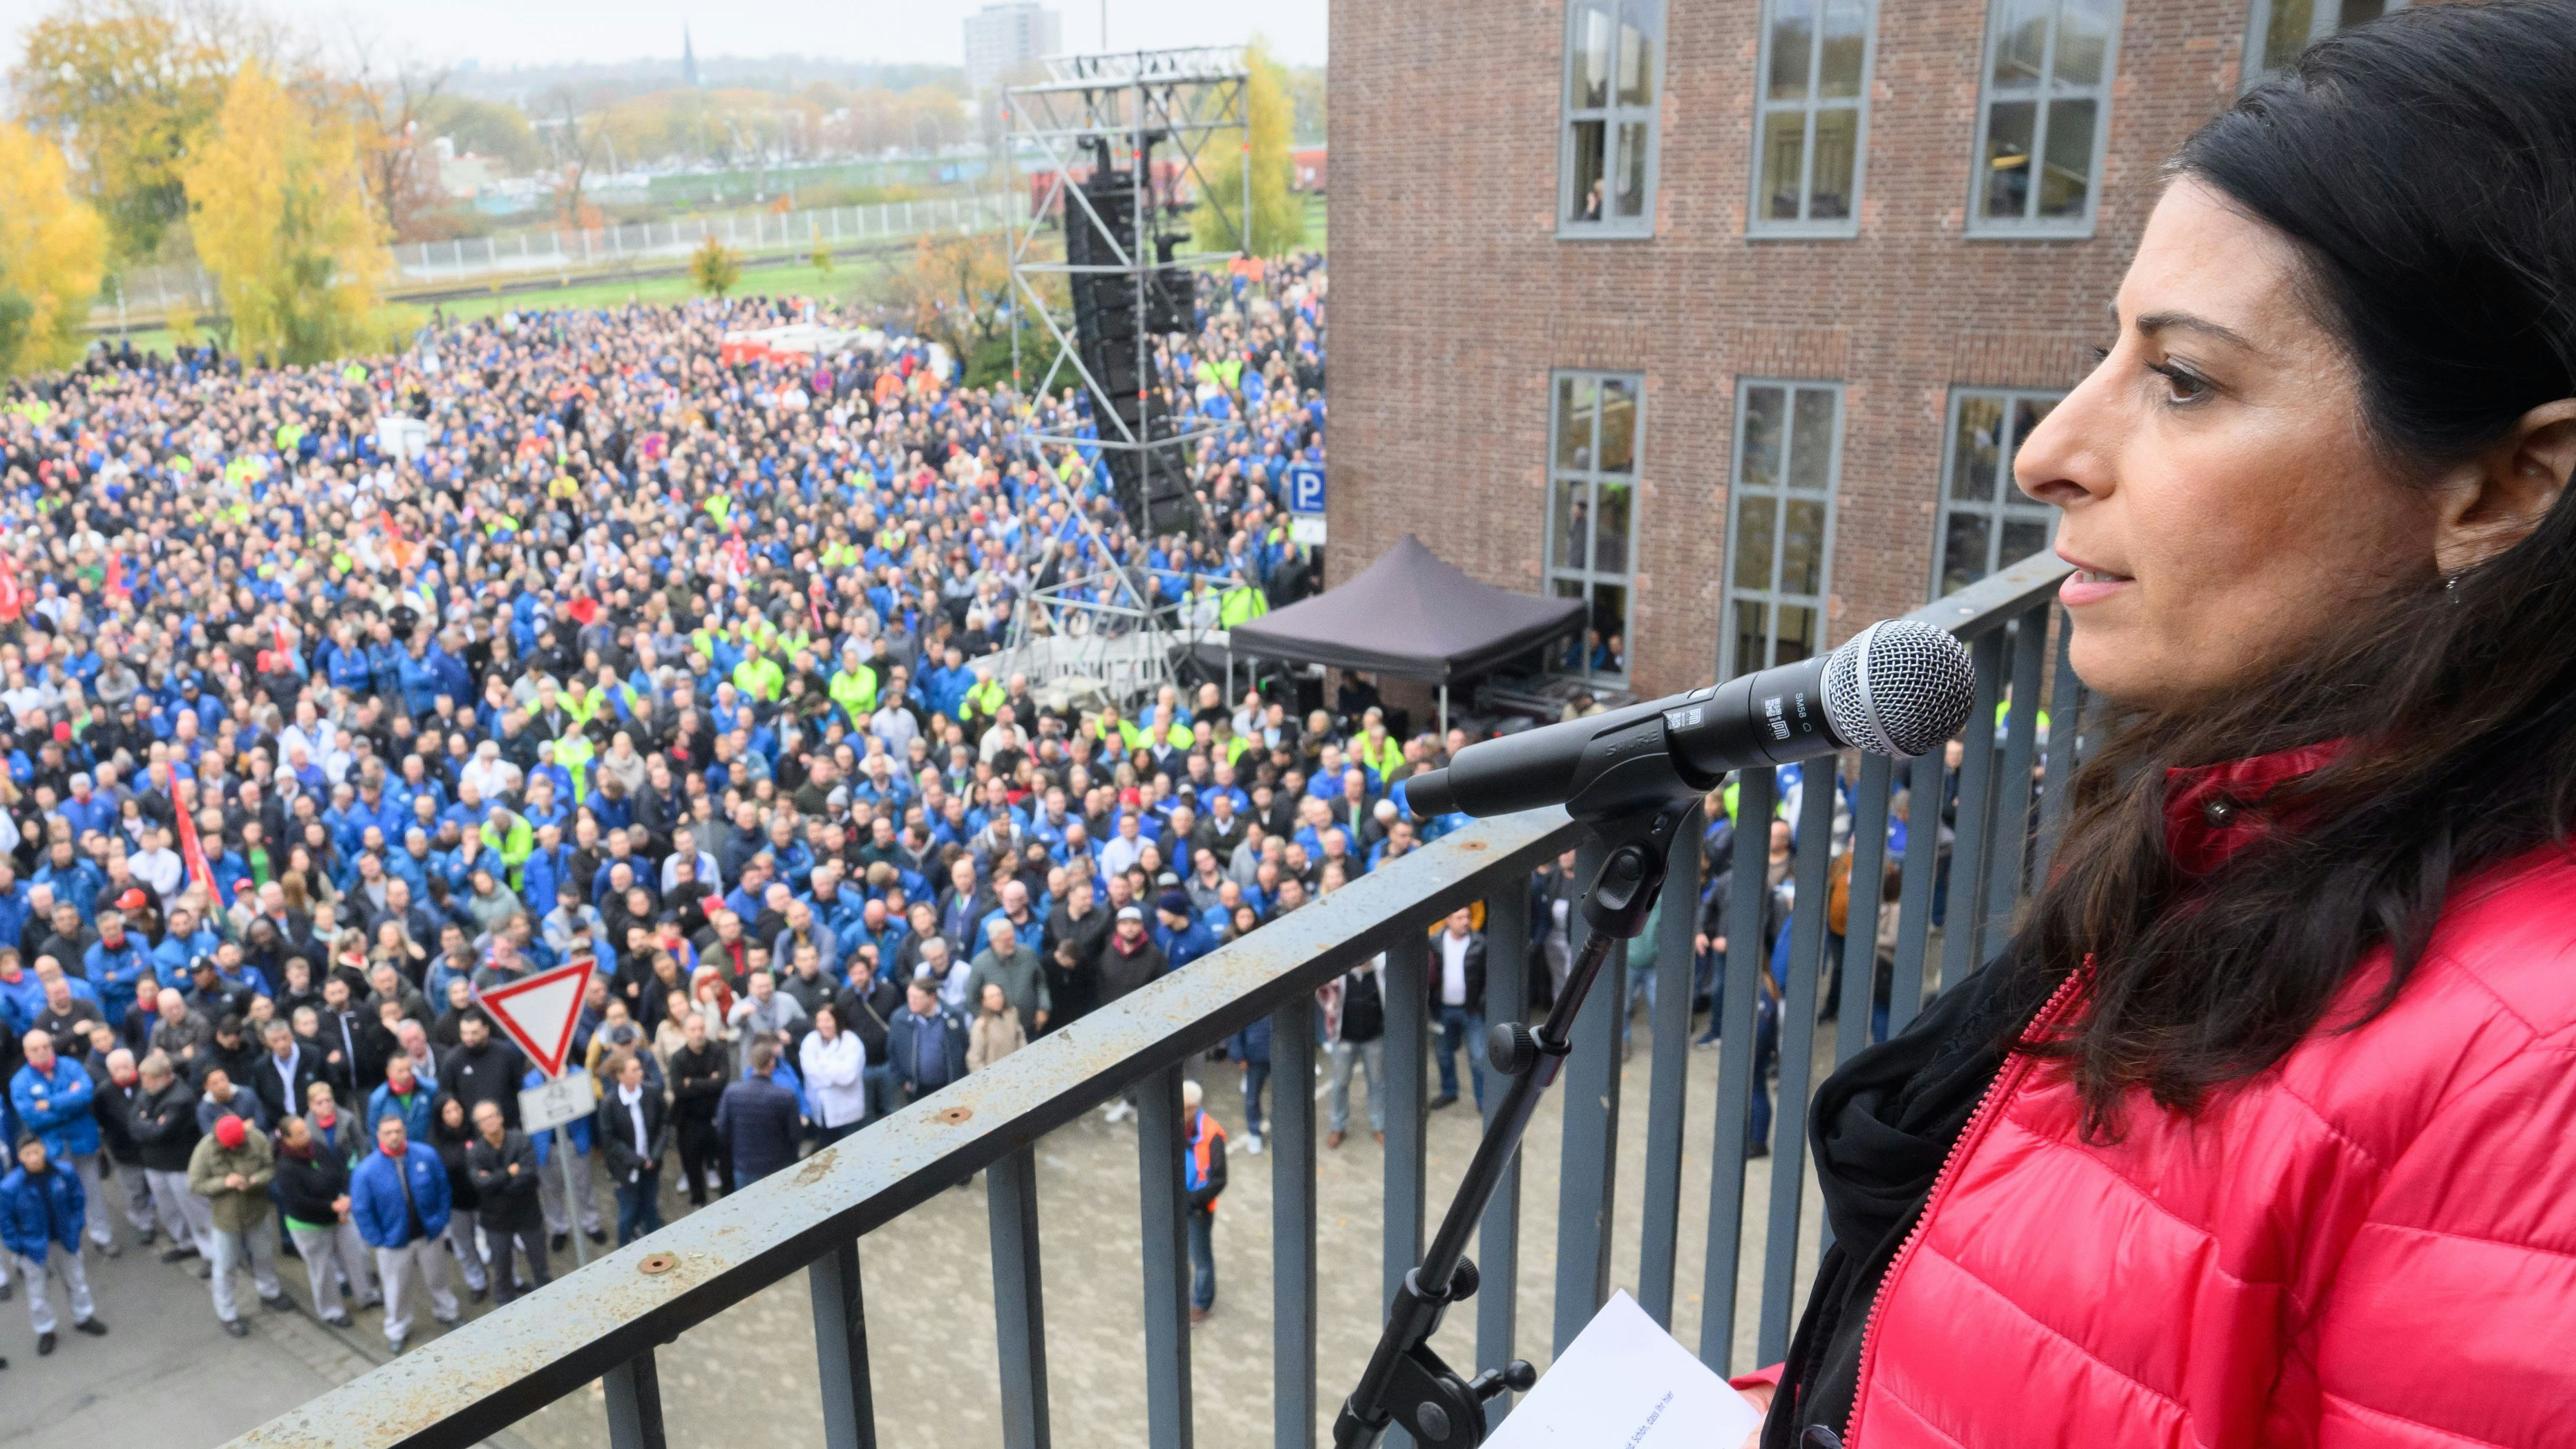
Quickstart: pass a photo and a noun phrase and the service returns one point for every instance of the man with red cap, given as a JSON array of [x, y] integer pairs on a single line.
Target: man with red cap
[[231, 1169]]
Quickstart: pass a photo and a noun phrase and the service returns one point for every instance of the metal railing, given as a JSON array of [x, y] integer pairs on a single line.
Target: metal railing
[[604, 1322]]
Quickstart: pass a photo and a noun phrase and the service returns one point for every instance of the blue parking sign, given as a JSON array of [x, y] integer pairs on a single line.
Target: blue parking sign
[[1305, 489]]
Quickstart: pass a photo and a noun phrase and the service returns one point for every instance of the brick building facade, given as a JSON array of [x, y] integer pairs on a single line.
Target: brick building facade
[[1831, 348]]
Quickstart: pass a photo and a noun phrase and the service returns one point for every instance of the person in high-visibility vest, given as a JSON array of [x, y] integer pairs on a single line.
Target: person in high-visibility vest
[[573, 754], [854, 687], [1241, 604], [759, 677], [984, 699]]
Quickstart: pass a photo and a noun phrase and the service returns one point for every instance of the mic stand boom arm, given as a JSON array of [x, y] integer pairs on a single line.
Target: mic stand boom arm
[[1633, 798]]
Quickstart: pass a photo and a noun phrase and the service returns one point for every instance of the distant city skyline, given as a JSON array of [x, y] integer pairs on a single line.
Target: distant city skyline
[[503, 33]]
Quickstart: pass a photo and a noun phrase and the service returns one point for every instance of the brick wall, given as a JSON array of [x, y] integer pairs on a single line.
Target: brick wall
[[1453, 299]]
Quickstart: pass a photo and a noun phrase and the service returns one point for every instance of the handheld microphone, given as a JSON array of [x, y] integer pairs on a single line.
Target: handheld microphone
[[1898, 688]]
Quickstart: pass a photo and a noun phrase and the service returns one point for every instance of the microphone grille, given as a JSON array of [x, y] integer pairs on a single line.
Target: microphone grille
[[1899, 688]]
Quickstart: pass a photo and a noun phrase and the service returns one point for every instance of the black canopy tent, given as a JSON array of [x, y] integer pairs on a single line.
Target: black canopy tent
[[1412, 616]]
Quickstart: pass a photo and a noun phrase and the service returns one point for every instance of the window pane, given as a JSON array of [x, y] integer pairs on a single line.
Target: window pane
[[1964, 539], [2287, 34], [2067, 179], [1586, 194], [2083, 37], [2026, 416], [2008, 126], [1573, 521], [1570, 654], [1756, 516], [1837, 150], [1846, 36], [1591, 56], [1618, 425], [1763, 407], [1797, 636], [1609, 642], [1613, 547], [1636, 58], [1750, 653], [1574, 397], [1802, 547], [2022, 538], [1811, 442], [1978, 451], [1632, 168], [1793, 39], [2021, 41], [1784, 158]]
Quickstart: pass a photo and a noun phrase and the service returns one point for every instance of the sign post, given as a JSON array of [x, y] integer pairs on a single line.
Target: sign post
[[539, 1012]]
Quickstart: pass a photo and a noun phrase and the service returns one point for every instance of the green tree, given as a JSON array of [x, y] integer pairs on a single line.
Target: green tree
[[714, 268], [281, 216], [129, 85], [52, 250], [1278, 215], [484, 128]]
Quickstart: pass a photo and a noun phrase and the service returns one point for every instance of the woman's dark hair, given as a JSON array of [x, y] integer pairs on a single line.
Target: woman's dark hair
[[2424, 167]]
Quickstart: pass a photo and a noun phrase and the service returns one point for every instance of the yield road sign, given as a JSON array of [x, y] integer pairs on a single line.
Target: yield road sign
[[539, 1011]]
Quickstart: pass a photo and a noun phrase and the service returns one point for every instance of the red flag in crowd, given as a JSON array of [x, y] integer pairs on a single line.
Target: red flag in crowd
[[191, 850]]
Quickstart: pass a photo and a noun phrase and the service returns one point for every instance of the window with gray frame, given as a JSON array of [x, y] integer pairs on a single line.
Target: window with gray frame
[[1780, 509], [1591, 511], [1986, 522], [1814, 116], [1614, 69], [2043, 117], [2279, 29]]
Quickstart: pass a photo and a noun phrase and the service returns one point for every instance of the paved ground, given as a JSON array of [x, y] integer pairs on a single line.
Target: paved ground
[[167, 1376], [749, 1374]]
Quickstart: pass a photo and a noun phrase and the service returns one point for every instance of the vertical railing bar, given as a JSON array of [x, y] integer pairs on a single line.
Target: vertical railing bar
[[841, 1350], [1166, 1254], [634, 1392], [1668, 1082], [2009, 833], [1587, 1180], [1965, 910], [1498, 1243], [1019, 1298], [1922, 871], [1797, 1050], [1860, 923], [1743, 957], [1406, 987], [1292, 1223], [2065, 724]]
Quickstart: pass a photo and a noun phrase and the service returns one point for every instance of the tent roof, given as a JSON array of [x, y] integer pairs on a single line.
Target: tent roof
[[1410, 615]]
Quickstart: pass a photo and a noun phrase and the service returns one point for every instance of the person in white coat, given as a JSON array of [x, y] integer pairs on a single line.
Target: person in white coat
[[834, 1063]]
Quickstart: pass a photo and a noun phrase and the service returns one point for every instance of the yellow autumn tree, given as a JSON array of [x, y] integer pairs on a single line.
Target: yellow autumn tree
[[1278, 214], [279, 209], [52, 250]]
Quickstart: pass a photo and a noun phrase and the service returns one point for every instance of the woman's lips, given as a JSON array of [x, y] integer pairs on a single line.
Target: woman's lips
[[2090, 586]]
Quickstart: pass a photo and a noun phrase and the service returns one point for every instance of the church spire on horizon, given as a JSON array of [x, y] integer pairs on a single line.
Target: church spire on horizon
[[688, 58]]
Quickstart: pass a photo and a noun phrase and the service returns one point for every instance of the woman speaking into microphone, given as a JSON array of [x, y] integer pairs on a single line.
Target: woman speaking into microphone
[[2262, 1131]]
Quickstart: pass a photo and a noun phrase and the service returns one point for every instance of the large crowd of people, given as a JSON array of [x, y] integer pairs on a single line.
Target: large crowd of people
[[685, 665]]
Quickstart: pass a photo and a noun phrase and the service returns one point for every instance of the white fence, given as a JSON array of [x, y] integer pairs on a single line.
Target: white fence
[[150, 293]]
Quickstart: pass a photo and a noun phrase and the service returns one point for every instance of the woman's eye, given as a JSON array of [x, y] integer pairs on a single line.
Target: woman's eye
[[2181, 385]]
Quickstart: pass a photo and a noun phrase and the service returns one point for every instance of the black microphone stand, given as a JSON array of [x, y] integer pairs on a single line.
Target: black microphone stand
[[1633, 796]]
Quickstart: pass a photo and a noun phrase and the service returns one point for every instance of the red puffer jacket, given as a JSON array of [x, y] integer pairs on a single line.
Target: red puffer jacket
[[2374, 1244]]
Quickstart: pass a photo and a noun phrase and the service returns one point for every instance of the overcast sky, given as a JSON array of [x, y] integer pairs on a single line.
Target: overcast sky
[[499, 33]]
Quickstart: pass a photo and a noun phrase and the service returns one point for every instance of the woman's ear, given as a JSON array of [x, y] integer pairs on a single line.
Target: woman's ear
[[2497, 499]]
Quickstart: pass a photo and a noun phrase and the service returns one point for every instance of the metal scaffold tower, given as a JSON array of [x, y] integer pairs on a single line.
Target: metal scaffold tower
[[1103, 266]]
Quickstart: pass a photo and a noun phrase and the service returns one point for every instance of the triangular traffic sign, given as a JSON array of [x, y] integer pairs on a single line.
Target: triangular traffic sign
[[539, 1011]]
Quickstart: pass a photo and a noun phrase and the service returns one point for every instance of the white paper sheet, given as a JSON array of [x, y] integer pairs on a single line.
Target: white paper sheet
[[1624, 1384]]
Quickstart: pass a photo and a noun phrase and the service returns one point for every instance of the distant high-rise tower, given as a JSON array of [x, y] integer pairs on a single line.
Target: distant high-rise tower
[[1003, 39], [688, 59]]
